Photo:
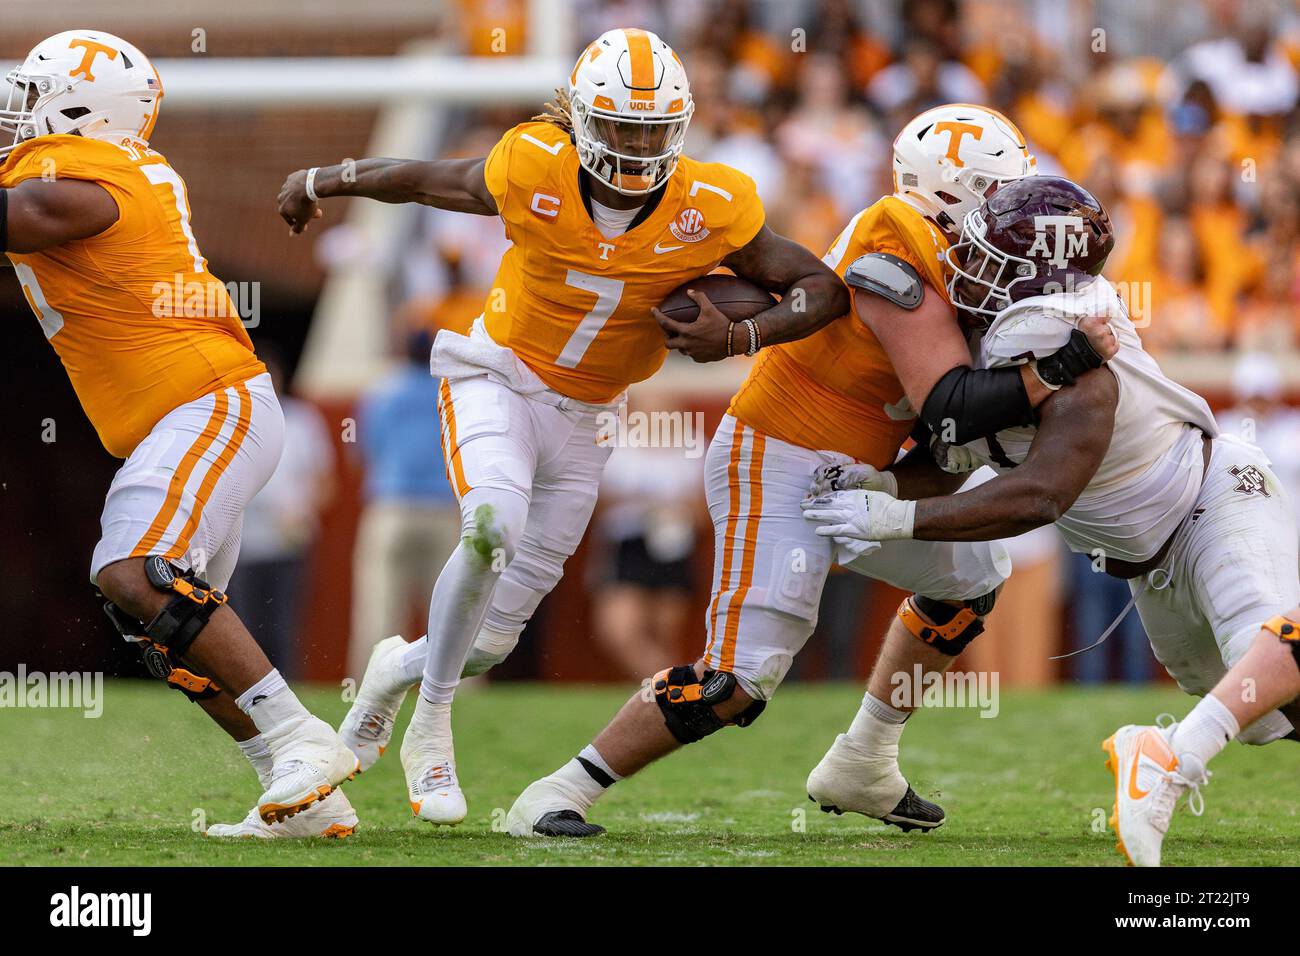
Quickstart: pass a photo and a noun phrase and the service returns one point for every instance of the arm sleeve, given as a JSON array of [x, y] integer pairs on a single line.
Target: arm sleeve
[[969, 403]]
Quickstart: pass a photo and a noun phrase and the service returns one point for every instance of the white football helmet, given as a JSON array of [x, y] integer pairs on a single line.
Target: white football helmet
[[84, 82], [630, 106], [948, 159]]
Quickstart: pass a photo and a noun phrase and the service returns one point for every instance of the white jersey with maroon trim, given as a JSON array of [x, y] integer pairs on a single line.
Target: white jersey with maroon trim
[[1152, 471]]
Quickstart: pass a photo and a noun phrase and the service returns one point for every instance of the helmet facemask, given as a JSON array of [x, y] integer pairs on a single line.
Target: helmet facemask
[[981, 276], [632, 155], [24, 92]]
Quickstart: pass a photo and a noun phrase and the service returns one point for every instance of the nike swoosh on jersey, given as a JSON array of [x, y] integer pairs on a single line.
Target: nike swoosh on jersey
[[661, 249]]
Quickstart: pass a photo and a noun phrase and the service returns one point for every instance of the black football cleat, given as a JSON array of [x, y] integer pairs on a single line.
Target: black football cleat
[[915, 813], [911, 813], [569, 823]]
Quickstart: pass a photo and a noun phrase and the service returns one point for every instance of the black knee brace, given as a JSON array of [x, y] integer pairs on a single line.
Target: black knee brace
[[687, 702], [1288, 631], [174, 628], [948, 628], [193, 602]]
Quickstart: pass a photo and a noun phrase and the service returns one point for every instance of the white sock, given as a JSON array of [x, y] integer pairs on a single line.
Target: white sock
[[580, 784], [259, 755], [412, 665], [271, 704], [596, 767], [877, 724], [1205, 731], [432, 720]]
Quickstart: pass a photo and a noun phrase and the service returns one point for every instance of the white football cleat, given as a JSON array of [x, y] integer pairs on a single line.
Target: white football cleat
[[436, 795], [309, 763], [1149, 780], [853, 780], [331, 818], [550, 807], [368, 727], [430, 764]]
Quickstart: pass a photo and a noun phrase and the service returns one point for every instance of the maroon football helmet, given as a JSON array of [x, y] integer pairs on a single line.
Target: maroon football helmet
[[1036, 235]]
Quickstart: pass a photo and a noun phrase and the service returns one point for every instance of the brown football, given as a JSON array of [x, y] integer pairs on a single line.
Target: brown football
[[734, 297]]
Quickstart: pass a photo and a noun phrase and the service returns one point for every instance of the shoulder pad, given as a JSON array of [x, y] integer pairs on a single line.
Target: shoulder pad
[[888, 277]]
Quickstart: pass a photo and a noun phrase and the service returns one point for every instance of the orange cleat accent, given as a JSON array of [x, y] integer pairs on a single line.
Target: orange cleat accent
[[278, 813], [1112, 764]]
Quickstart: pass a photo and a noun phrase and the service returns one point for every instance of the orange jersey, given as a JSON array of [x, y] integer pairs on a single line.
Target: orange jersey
[[575, 306], [836, 389], [139, 322]]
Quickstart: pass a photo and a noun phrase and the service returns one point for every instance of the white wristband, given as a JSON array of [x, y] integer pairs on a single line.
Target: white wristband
[[311, 184], [902, 517]]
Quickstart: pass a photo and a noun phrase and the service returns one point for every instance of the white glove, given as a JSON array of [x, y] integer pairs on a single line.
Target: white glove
[[954, 459], [850, 477], [861, 515]]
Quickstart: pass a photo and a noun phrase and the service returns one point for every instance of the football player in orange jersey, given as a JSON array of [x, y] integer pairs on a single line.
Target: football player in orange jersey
[[607, 217], [834, 408], [97, 226]]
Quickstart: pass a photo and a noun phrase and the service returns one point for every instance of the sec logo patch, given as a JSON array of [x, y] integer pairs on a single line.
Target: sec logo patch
[[689, 225]]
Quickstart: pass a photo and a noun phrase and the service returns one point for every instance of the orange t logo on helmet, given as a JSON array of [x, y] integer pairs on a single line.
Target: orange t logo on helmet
[[93, 49], [956, 133]]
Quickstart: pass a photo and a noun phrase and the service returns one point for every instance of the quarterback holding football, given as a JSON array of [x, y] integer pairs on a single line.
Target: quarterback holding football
[[606, 217]]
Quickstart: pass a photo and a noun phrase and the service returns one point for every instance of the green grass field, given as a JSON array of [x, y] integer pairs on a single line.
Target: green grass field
[[1025, 788]]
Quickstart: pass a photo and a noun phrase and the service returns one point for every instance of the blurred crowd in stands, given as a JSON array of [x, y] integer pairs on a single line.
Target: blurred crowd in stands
[[1181, 116]]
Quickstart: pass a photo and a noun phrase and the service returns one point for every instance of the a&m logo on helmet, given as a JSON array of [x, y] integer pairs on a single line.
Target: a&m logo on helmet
[[689, 225], [1038, 235], [1068, 239]]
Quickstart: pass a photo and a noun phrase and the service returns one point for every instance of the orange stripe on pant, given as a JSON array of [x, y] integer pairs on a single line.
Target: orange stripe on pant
[[214, 473], [733, 514], [455, 467], [752, 518], [176, 486]]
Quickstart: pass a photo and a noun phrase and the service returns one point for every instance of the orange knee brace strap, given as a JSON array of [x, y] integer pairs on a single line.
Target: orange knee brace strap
[[1288, 631], [949, 637], [1284, 627]]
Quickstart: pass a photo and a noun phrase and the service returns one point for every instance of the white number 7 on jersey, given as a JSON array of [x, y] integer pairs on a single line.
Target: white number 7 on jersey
[[607, 292]]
